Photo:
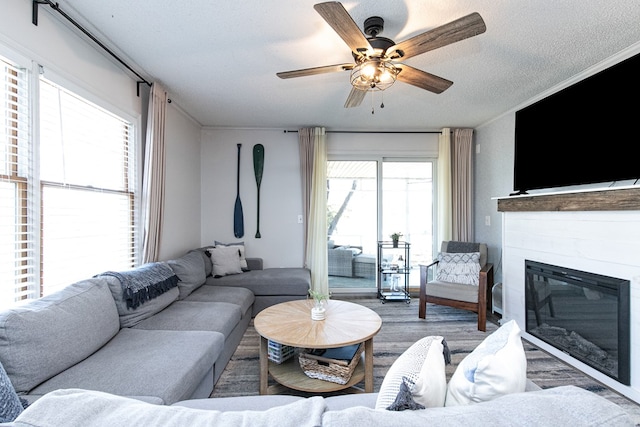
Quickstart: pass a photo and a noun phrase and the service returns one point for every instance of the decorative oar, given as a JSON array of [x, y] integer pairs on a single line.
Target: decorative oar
[[258, 167], [238, 220]]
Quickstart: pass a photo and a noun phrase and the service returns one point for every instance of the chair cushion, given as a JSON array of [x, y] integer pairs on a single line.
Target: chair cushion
[[454, 291]]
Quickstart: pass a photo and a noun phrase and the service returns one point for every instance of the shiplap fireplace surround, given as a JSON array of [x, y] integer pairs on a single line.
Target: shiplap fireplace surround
[[597, 231]]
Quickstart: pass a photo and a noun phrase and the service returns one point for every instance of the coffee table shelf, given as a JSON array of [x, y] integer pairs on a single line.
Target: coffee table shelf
[[290, 323], [291, 375]]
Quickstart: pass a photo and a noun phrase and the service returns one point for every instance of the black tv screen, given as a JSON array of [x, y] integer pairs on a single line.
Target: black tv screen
[[583, 134]]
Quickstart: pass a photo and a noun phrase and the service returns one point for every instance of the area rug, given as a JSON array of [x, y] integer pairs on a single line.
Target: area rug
[[401, 327]]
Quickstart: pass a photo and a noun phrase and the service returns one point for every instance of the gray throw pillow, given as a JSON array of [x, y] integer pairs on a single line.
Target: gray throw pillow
[[10, 403]]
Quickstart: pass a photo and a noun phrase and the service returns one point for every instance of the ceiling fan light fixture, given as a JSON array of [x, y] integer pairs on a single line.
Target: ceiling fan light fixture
[[374, 74]]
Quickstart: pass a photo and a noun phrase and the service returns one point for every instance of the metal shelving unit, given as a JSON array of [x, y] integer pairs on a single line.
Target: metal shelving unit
[[393, 271]]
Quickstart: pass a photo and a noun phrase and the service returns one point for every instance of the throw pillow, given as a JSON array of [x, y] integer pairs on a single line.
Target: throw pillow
[[404, 400], [240, 246], [459, 268], [10, 403], [423, 365], [498, 366], [225, 260]]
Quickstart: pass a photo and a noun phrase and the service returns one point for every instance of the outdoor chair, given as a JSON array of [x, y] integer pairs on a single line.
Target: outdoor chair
[[460, 277]]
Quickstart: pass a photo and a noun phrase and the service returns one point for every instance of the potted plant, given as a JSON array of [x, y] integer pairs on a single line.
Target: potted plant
[[318, 310], [395, 237]]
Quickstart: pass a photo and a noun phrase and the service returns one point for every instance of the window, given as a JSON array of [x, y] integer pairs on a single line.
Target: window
[[17, 244], [69, 197], [87, 189]]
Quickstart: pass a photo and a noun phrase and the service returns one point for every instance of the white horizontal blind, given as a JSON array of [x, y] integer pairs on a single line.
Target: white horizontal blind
[[18, 280], [88, 186]]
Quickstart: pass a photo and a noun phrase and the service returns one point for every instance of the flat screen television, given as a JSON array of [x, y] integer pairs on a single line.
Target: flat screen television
[[583, 134]]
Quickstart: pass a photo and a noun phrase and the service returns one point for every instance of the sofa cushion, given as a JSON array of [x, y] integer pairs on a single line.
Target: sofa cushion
[[190, 271], [195, 316], [80, 408], [234, 295], [48, 335], [225, 260], [165, 364], [497, 366], [130, 317], [423, 365], [270, 281], [559, 406]]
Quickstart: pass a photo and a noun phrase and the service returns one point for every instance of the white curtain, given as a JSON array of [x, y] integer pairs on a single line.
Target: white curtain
[[462, 185], [444, 187], [313, 166], [153, 179]]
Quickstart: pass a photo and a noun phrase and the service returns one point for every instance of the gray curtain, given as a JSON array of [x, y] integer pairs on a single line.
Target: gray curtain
[[462, 185], [153, 179]]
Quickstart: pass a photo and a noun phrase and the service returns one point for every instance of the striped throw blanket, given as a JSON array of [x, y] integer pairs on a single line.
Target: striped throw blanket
[[145, 282]]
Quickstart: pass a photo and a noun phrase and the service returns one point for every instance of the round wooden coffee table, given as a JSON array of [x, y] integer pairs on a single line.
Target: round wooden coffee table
[[290, 323]]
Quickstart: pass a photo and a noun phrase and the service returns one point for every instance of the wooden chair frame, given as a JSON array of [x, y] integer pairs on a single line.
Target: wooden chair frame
[[484, 295]]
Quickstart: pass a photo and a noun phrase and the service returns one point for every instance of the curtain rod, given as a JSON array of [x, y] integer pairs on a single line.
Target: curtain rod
[[367, 131], [54, 6]]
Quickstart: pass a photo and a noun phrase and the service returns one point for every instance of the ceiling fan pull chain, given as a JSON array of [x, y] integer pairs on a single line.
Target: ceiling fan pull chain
[[372, 104], [382, 100]]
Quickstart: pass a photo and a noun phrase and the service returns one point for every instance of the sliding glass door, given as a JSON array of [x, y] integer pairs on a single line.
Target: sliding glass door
[[367, 200], [407, 208], [352, 224]]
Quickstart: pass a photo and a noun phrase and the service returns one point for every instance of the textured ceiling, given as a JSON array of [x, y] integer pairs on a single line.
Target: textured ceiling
[[218, 59]]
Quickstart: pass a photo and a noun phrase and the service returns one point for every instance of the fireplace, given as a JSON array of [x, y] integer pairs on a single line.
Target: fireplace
[[585, 315]]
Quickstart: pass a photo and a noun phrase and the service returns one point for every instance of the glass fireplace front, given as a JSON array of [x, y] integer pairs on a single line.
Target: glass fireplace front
[[583, 314]]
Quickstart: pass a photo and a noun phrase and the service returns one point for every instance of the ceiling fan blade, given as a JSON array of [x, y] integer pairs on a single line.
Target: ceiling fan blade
[[422, 79], [315, 70], [460, 29], [355, 98], [342, 23]]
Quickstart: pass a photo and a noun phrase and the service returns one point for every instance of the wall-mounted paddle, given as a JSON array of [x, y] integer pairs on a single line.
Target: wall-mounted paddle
[[258, 168], [238, 219]]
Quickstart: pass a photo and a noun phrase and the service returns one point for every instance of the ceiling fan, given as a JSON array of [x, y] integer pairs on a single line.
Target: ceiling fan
[[376, 63]]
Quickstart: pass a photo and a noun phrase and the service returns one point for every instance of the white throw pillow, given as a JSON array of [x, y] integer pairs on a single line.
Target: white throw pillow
[[225, 260], [423, 364], [498, 366], [459, 268], [240, 246]]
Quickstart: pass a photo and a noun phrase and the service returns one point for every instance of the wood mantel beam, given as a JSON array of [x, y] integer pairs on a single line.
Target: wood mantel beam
[[624, 199]]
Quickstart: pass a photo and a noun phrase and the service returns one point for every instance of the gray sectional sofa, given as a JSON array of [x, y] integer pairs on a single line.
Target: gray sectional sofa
[[568, 405], [173, 346]]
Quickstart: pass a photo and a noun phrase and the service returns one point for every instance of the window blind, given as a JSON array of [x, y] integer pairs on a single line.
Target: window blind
[[18, 273], [88, 189]]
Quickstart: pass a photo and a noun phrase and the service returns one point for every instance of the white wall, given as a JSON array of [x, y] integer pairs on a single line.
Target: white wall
[[57, 47], [181, 224], [280, 244]]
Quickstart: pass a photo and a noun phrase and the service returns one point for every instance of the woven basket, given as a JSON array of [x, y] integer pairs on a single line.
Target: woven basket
[[335, 371]]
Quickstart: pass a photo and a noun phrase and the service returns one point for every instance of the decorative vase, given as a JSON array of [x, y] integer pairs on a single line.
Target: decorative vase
[[395, 243], [318, 313]]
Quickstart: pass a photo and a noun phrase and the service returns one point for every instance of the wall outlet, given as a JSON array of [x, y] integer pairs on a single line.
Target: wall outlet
[[299, 219], [487, 220], [477, 148]]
